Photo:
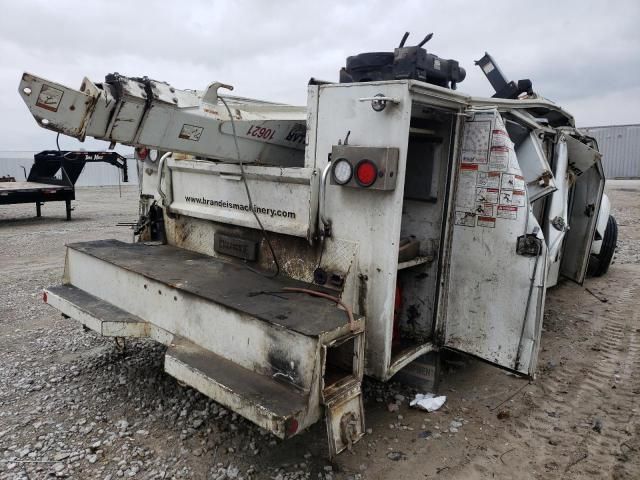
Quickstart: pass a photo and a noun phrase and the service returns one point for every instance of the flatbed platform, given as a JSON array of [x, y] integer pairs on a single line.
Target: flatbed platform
[[38, 193], [29, 187], [235, 335], [231, 285]]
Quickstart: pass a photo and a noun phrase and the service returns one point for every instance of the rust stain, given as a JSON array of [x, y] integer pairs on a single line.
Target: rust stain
[[362, 295]]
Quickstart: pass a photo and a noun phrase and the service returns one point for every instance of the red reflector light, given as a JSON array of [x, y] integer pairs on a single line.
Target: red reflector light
[[142, 153], [366, 173], [44, 297], [291, 426]]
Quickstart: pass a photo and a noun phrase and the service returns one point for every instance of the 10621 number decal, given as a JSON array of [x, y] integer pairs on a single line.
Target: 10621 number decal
[[261, 132]]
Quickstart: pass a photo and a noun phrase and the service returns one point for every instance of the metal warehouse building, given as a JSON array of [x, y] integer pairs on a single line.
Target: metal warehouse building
[[620, 147]]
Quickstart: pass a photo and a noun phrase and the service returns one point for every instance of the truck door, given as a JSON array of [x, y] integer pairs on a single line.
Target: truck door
[[494, 287], [535, 167], [584, 204]]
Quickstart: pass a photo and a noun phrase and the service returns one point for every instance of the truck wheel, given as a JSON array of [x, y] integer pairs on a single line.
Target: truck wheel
[[599, 263]]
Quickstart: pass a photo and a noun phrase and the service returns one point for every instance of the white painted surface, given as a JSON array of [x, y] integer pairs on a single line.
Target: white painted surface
[[489, 283], [228, 333]]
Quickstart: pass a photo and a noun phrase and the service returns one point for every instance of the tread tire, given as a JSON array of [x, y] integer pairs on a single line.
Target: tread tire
[[602, 260]]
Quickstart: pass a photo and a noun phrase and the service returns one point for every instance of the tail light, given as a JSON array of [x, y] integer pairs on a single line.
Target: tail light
[[373, 168], [342, 171], [290, 426], [366, 173], [142, 153]]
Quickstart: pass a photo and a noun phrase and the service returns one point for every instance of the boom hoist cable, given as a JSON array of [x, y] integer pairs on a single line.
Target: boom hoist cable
[[246, 187]]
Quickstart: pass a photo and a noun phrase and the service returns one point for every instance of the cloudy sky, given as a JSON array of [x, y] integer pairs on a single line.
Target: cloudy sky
[[584, 55]]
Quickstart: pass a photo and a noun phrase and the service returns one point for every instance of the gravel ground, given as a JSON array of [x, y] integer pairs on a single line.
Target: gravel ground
[[72, 405]]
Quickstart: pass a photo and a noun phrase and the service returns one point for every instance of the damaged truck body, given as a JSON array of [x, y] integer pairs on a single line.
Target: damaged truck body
[[283, 252]]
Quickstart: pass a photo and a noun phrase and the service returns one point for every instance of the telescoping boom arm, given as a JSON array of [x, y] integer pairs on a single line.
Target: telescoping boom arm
[[153, 114]]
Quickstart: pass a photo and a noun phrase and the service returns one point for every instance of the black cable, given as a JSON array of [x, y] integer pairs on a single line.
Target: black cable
[[246, 187], [58, 141]]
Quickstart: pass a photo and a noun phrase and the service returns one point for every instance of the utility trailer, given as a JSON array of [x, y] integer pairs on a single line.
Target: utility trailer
[[284, 252], [53, 176]]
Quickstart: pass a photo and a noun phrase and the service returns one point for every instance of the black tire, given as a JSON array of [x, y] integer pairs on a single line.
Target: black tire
[[599, 264], [370, 60]]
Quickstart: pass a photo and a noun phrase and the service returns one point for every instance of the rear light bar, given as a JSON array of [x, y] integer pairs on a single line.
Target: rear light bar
[[366, 173], [374, 168]]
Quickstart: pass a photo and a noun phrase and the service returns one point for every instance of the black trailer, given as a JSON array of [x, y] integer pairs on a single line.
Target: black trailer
[[53, 176]]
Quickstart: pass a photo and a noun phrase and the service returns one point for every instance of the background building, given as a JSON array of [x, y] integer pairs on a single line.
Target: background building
[[620, 147]]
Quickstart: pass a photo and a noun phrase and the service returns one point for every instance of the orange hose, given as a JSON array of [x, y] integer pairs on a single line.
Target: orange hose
[[315, 293]]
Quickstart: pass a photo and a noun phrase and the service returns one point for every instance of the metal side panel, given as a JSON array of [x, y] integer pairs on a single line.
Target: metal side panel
[[271, 404], [345, 420], [581, 157], [375, 214], [535, 168], [214, 191]]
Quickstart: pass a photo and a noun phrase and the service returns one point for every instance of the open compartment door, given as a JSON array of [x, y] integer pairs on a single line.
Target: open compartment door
[[535, 167], [584, 205], [495, 284]]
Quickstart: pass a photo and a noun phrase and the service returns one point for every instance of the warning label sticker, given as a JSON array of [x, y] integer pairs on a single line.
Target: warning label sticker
[[465, 219], [487, 222], [488, 179], [517, 198], [475, 147], [518, 182], [506, 197], [49, 98], [485, 209], [466, 195], [487, 195], [191, 132], [508, 212], [500, 139], [512, 197], [512, 181], [499, 158]]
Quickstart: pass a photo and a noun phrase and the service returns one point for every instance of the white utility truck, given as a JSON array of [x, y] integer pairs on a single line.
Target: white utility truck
[[282, 252]]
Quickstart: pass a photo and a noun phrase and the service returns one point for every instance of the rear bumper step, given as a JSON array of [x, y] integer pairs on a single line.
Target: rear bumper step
[[268, 402], [277, 358], [98, 315]]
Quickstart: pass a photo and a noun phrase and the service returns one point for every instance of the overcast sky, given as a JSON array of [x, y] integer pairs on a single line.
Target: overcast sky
[[584, 55]]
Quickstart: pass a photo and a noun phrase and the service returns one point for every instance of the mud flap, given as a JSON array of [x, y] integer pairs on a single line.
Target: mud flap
[[345, 420]]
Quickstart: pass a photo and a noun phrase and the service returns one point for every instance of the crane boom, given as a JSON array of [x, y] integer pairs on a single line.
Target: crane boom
[[153, 114]]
